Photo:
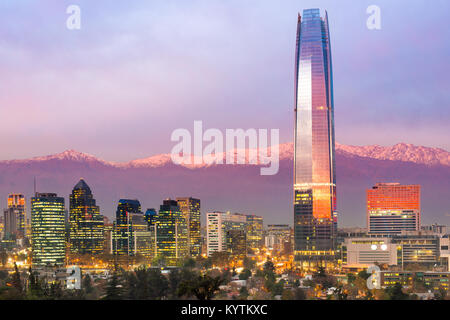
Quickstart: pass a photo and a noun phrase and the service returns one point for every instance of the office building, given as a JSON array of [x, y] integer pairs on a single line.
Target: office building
[[217, 224], [315, 216], [278, 237], [190, 208], [122, 242], [171, 233], [393, 208], [255, 232], [366, 251], [86, 223], [18, 227], [237, 243], [47, 230]]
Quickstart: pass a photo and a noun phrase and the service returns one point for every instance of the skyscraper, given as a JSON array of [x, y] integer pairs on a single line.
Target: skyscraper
[[190, 208], [315, 217], [171, 233], [393, 208], [47, 230], [122, 235], [16, 204], [255, 230], [217, 226], [86, 223]]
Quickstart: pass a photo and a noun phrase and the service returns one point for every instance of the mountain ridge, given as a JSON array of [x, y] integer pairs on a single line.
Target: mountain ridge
[[399, 152]]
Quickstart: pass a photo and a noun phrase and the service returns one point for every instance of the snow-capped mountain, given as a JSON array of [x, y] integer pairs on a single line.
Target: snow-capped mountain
[[399, 152], [236, 187]]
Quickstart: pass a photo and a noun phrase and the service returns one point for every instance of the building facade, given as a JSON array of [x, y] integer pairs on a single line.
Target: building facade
[[278, 237], [122, 242], [47, 230], [315, 217], [16, 204], [393, 208], [217, 225], [363, 252], [190, 208], [86, 223], [171, 233], [255, 232]]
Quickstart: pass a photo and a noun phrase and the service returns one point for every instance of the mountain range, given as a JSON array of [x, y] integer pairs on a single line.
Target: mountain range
[[238, 188]]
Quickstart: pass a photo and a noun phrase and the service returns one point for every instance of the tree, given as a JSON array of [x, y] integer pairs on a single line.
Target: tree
[[323, 279], [35, 287], [245, 274], [3, 257], [158, 284], [243, 293], [16, 281], [55, 290], [86, 284], [249, 263], [189, 263], [268, 267], [203, 287], [277, 288], [220, 258], [350, 278], [142, 285], [363, 275], [395, 292], [299, 294], [114, 288]]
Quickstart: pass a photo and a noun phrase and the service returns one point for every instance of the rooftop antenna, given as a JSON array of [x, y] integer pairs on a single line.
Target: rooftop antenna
[[35, 193]]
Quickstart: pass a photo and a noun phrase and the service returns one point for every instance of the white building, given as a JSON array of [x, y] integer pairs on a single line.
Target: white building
[[368, 251], [217, 224]]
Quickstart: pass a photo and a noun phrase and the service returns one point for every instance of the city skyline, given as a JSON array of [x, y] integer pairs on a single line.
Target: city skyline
[[116, 46], [314, 220]]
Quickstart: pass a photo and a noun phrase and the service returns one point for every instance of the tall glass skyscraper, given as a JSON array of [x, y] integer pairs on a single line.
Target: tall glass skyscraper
[[86, 223], [122, 236], [48, 237], [315, 218], [171, 233], [190, 208]]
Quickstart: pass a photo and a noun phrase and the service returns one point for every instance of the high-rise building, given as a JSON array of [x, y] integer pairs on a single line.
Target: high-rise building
[[255, 230], [393, 208], [142, 238], [86, 223], [190, 208], [278, 237], [10, 223], [218, 224], [171, 233], [16, 201], [237, 243], [123, 242], [47, 230], [315, 217]]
